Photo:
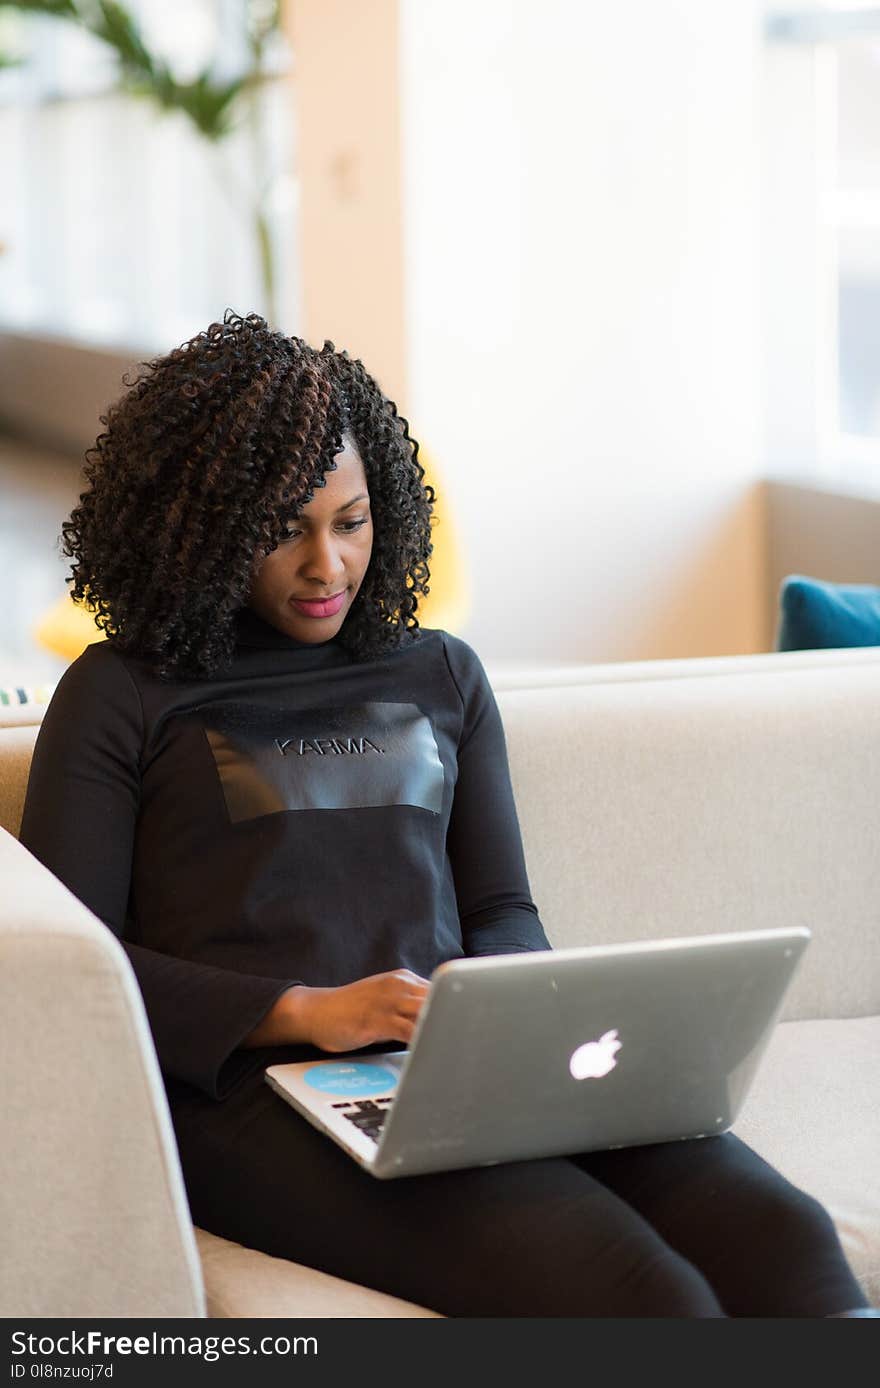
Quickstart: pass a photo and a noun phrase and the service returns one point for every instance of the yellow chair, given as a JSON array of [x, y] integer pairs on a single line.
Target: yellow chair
[[448, 603], [67, 628]]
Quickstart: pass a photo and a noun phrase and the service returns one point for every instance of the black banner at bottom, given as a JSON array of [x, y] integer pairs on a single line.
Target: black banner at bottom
[[130, 1353]]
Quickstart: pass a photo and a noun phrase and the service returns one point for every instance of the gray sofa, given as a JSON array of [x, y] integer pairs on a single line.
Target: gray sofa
[[660, 798]]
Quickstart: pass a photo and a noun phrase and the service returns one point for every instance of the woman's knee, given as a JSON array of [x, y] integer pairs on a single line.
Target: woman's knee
[[669, 1286], [632, 1273], [793, 1222], [664, 1285]]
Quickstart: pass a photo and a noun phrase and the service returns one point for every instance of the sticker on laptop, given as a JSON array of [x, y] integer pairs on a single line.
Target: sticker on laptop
[[350, 1078]]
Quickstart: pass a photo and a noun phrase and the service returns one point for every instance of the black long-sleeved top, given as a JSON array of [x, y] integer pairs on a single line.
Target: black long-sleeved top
[[299, 817]]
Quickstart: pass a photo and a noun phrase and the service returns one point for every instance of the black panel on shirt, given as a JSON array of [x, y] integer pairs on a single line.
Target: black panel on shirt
[[356, 757]]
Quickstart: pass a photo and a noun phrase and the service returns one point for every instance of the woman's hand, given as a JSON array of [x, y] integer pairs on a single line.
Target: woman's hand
[[383, 1007]]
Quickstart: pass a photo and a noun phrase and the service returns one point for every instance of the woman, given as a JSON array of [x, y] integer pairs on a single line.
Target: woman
[[255, 540]]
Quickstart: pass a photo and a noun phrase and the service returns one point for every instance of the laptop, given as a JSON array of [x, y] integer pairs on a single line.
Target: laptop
[[558, 1051]]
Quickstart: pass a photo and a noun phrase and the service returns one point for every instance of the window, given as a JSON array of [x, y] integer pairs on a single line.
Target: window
[[822, 240], [854, 213], [121, 224]]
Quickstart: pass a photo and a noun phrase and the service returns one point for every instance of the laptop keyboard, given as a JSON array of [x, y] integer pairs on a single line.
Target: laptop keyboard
[[367, 1114]]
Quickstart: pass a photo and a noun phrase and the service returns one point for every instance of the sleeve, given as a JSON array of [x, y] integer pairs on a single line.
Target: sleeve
[[79, 820], [484, 844]]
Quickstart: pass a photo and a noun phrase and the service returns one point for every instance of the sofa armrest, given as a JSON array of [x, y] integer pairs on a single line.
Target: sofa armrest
[[92, 1204]]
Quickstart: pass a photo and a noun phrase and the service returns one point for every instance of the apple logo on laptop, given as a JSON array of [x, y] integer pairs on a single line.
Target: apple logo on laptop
[[595, 1058]]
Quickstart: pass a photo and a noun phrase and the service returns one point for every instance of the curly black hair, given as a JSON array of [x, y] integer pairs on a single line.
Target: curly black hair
[[204, 460]]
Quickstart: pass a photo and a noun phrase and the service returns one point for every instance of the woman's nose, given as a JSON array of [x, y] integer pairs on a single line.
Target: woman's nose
[[322, 561]]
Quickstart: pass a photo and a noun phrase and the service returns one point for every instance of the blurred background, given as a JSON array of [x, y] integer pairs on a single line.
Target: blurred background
[[618, 264]]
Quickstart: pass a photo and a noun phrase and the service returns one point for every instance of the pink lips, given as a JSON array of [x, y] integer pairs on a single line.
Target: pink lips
[[319, 607]]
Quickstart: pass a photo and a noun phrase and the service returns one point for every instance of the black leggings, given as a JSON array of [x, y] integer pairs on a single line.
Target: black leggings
[[698, 1228]]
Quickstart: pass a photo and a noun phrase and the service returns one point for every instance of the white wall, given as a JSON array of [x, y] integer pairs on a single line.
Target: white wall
[[580, 194]]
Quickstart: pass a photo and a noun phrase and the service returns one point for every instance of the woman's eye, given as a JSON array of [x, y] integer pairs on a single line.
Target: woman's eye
[[292, 532]]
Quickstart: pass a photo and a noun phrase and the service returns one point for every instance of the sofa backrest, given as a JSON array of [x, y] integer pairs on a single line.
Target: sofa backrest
[[507, 675], [731, 799], [725, 794], [16, 750]]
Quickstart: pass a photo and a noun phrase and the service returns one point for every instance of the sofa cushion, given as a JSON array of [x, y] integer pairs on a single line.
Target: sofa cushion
[[814, 615], [240, 1282], [813, 1113]]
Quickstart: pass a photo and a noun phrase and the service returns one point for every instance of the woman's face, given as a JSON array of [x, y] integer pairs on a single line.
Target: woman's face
[[307, 585]]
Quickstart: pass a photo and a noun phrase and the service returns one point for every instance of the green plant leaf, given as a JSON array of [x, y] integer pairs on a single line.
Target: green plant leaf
[[209, 105], [61, 9], [116, 26]]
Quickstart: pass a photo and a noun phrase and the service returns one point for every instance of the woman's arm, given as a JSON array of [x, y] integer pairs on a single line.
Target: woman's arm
[[484, 844], [79, 821]]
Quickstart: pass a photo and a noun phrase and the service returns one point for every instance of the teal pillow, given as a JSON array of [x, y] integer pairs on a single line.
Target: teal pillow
[[814, 615]]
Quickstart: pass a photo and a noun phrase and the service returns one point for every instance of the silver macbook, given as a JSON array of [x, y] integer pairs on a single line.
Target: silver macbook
[[558, 1051]]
